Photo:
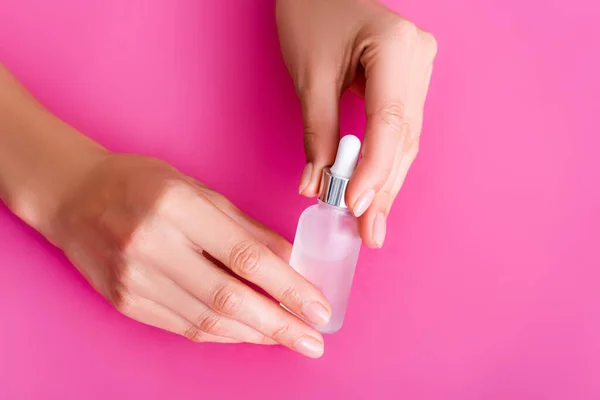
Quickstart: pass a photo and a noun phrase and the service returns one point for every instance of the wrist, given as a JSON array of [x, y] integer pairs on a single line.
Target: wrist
[[41, 157], [36, 184], [66, 179]]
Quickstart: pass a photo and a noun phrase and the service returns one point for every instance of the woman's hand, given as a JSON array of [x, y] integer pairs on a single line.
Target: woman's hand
[[149, 238], [332, 45], [139, 231]]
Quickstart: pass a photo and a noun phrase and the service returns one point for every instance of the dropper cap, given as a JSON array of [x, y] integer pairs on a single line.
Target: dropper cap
[[335, 179]]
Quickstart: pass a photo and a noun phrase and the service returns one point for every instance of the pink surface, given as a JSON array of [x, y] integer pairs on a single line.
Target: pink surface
[[488, 285]]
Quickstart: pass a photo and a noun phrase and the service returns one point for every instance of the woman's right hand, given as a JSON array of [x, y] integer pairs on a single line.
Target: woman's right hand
[[139, 231]]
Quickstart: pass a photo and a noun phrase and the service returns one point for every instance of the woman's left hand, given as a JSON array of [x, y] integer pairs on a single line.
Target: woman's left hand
[[333, 45]]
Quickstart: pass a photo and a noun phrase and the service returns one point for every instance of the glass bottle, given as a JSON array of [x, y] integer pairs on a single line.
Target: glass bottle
[[327, 241]]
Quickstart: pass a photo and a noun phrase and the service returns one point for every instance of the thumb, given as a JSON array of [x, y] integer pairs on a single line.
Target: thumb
[[320, 113]]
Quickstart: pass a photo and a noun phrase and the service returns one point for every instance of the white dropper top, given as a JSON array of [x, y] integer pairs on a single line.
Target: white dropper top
[[347, 157]]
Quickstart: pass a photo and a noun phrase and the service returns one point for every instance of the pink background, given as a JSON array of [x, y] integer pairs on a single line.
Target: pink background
[[488, 285]]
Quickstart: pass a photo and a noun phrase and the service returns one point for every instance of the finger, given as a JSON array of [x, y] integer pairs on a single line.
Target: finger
[[151, 283], [320, 112], [387, 73], [227, 296], [233, 246], [372, 224], [274, 241], [153, 314], [207, 320]]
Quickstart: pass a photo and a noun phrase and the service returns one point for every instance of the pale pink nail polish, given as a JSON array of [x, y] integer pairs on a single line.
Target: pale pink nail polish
[[379, 228], [305, 178], [363, 202], [309, 346], [316, 313]]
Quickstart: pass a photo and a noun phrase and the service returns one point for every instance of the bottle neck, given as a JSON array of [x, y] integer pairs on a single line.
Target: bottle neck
[[333, 189], [339, 210]]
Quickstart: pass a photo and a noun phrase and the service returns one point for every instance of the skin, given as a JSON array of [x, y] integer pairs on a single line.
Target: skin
[[333, 45], [169, 252], [139, 231]]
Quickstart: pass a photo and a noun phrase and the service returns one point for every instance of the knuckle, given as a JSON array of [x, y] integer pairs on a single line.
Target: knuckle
[[128, 277], [171, 193], [290, 296], [245, 258], [125, 303], [194, 334], [142, 240], [318, 142], [310, 137], [279, 334], [227, 300], [209, 323], [392, 115], [410, 130], [174, 193], [220, 201], [205, 192], [405, 31], [388, 196], [119, 290]]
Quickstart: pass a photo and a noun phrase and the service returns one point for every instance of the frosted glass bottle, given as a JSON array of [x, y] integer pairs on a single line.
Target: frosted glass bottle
[[327, 242], [325, 252]]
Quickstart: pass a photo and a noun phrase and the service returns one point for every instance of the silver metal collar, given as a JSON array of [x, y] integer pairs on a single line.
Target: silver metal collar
[[333, 189]]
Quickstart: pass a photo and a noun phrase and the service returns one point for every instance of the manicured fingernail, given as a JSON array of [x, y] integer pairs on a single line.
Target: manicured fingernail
[[379, 230], [305, 178], [363, 202], [316, 313], [309, 346]]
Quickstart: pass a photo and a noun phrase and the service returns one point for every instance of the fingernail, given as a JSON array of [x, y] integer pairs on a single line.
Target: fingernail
[[316, 313], [305, 177], [379, 230], [309, 346], [363, 202]]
